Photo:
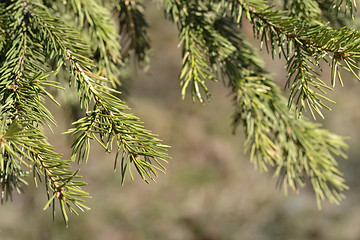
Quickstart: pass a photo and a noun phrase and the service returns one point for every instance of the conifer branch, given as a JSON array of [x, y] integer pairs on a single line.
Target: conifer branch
[[299, 150], [338, 17], [35, 38], [107, 118], [302, 44], [36, 44], [96, 21], [350, 5], [133, 29], [296, 148], [200, 44], [23, 79], [307, 10]]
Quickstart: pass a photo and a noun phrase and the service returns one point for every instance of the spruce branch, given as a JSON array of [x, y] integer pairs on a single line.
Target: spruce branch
[[36, 38], [133, 29], [349, 5], [107, 124], [96, 21], [307, 10], [23, 79], [12, 177], [302, 44], [196, 67], [107, 118], [37, 43], [338, 17], [298, 150], [28, 144], [200, 45]]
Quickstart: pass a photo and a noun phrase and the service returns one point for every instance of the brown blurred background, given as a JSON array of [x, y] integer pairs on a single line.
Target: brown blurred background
[[210, 191]]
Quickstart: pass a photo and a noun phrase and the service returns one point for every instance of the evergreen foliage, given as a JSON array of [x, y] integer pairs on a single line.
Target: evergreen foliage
[[43, 42]]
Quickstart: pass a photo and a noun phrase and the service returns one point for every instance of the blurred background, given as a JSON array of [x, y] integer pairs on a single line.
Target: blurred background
[[211, 190]]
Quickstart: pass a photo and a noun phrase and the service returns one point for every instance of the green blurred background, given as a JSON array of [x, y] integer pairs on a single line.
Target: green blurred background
[[210, 191]]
